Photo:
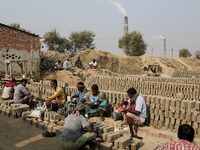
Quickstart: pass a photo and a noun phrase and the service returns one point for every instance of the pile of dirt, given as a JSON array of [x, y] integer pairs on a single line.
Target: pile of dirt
[[127, 65], [78, 75]]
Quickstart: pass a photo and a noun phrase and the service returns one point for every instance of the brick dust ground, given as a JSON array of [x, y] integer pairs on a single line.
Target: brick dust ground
[[17, 135]]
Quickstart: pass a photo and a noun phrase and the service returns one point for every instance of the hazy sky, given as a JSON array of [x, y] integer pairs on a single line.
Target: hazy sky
[[176, 20]]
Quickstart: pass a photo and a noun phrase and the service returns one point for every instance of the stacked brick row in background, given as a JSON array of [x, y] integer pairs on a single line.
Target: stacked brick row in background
[[186, 74], [165, 89], [43, 88]]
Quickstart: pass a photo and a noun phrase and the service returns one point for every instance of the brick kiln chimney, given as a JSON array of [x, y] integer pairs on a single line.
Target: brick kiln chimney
[[125, 31]]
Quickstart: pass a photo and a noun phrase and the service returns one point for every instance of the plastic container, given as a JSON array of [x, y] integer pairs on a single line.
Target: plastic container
[[120, 109], [121, 128]]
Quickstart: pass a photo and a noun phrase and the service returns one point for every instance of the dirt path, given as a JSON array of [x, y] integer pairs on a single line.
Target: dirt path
[[16, 134]]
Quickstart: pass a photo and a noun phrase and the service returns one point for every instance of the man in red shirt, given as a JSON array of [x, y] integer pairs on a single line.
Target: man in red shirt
[[186, 136]]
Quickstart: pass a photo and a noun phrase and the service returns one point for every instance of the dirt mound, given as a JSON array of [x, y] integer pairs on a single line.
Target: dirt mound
[[78, 75], [127, 65]]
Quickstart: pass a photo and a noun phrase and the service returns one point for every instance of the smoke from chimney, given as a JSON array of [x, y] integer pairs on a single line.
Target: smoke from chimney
[[118, 6]]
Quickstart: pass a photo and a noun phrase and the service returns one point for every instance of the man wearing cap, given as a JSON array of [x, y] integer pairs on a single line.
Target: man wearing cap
[[9, 89], [66, 64], [77, 132]]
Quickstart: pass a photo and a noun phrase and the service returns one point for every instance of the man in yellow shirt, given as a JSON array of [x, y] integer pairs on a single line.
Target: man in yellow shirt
[[58, 99]]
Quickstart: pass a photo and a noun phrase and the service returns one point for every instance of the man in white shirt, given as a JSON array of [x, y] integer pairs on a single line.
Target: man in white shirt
[[136, 114], [93, 65], [66, 65]]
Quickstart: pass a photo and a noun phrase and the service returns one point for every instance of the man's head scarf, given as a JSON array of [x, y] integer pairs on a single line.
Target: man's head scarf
[[78, 109]]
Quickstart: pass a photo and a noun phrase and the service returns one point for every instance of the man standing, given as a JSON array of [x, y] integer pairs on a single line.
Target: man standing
[[9, 89], [186, 136], [80, 94], [22, 95], [58, 99], [66, 65], [93, 65], [77, 132], [136, 114]]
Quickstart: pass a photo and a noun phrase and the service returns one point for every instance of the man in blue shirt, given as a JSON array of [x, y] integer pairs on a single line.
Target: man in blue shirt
[[69, 106]]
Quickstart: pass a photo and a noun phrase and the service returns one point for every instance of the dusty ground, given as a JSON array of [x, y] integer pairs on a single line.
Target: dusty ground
[[15, 134]]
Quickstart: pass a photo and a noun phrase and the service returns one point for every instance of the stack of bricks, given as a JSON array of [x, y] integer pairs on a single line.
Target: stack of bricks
[[186, 74], [43, 88], [170, 113], [52, 121], [108, 139], [8, 108], [165, 89], [151, 79]]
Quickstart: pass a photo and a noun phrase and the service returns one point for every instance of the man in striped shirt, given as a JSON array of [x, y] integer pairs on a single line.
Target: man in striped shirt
[[186, 136]]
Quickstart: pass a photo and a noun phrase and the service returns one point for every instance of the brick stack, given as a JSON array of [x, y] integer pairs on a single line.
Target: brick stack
[[186, 74], [52, 121], [8, 108], [165, 89], [43, 87]]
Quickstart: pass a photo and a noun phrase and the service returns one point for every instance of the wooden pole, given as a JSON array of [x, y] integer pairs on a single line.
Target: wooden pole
[[31, 59], [172, 53]]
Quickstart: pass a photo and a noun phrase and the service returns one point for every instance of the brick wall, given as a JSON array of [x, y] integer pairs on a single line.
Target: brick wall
[[16, 44]]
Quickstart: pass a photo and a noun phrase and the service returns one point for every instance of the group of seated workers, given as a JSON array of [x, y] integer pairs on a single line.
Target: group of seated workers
[[77, 132], [94, 101], [18, 93]]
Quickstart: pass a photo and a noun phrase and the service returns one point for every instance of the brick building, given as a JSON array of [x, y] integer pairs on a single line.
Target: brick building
[[16, 44]]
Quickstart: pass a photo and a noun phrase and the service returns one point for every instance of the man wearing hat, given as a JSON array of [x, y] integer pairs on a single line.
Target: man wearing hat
[[77, 132], [66, 64], [9, 89]]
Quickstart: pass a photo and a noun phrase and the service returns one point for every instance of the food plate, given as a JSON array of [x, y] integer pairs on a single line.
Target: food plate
[[120, 109], [89, 102]]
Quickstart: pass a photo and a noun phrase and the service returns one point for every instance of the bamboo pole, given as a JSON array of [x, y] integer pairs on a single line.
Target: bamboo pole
[[31, 59]]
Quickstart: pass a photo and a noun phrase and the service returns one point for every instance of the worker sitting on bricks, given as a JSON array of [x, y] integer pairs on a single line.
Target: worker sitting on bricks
[[136, 114], [95, 102], [22, 95], [58, 99], [186, 136], [82, 90], [9, 89], [77, 132]]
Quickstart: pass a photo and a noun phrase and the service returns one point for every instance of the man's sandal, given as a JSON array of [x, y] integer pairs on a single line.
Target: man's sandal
[[137, 137]]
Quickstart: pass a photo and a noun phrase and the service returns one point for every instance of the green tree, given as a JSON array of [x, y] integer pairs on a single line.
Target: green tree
[[82, 40], [184, 53], [133, 44], [55, 42], [17, 26]]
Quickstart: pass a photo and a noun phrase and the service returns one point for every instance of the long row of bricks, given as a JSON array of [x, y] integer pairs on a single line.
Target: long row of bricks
[[165, 89]]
